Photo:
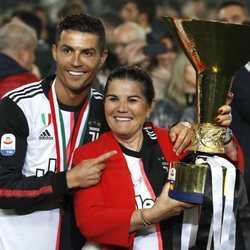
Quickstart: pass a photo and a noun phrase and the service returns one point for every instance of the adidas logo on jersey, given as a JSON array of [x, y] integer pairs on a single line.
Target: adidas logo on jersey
[[45, 135]]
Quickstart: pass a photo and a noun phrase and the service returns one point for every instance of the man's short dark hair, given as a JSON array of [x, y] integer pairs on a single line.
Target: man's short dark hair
[[83, 23]]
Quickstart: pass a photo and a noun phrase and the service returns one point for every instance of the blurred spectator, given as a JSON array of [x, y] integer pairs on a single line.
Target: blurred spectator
[[28, 18], [236, 12], [165, 60], [110, 21], [127, 34], [198, 9], [178, 103], [44, 58], [142, 12], [182, 87], [167, 9], [48, 28], [232, 12], [161, 64], [73, 7], [3, 20], [17, 55], [165, 112]]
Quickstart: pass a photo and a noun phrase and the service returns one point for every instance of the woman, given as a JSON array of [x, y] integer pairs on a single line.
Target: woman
[[182, 87], [122, 210], [166, 111]]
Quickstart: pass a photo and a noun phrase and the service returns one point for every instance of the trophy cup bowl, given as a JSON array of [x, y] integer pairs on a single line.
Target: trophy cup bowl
[[216, 50]]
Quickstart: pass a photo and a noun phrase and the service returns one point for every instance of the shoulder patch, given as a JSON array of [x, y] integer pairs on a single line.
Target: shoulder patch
[[8, 145]]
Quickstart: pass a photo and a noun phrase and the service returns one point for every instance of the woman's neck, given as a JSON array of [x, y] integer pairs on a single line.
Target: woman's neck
[[133, 143]]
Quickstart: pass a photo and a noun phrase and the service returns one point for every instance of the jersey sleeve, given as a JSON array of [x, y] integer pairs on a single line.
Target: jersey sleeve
[[16, 190]]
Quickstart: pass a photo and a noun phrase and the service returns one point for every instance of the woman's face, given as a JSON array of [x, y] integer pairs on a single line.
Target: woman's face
[[126, 108], [166, 59], [190, 79]]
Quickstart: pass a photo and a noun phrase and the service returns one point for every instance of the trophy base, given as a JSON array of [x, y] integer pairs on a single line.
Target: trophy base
[[192, 197], [207, 138], [187, 181]]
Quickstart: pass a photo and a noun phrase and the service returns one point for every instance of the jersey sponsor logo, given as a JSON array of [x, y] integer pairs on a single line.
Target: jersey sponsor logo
[[143, 203], [45, 135], [46, 119], [8, 144]]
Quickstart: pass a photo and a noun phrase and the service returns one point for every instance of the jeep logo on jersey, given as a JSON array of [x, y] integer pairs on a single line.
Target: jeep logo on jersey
[[8, 144], [46, 119]]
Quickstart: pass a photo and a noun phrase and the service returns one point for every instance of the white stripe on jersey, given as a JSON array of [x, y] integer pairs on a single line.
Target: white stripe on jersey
[[96, 94], [25, 91], [148, 238]]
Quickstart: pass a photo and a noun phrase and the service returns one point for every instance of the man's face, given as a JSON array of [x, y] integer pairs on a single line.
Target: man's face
[[130, 12], [232, 14], [28, 57], [78, 60]]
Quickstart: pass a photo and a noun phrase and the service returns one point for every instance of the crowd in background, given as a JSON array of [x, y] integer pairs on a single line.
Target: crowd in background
[[135, 35]]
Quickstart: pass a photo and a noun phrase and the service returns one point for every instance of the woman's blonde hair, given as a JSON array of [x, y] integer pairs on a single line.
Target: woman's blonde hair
[[176, 90]]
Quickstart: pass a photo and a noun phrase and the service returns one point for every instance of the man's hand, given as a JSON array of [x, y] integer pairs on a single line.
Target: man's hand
[[180, 136], [88, 172]]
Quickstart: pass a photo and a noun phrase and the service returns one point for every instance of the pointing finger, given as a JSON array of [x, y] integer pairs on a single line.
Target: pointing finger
[[104, 157]]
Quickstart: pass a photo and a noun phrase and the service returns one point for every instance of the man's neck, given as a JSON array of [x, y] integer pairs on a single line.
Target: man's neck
[[68, 98]]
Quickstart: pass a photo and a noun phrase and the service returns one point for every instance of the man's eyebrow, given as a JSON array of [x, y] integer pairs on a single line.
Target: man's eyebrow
[[72, 48]]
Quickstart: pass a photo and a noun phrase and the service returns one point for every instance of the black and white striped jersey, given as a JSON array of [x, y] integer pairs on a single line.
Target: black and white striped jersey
[[30, 190]]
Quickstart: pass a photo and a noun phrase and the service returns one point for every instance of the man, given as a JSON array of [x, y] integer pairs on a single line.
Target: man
[[232, 12], [128, 35], [31, 152], [17, 54], [110, 21], [40, 126], [236, 12], [43, 58]]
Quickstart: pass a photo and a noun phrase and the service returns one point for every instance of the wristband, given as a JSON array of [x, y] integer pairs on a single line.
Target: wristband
[[228, 136], [186, 124]]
